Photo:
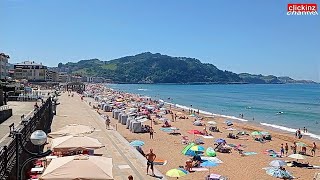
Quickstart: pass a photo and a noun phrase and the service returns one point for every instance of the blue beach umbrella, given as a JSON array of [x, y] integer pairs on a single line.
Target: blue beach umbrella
[[220, 141], [137, 143], [278, 173], [208, 164], [277, 163]]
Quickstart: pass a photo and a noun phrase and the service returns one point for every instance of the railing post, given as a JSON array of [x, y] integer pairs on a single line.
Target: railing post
[[5, 154]]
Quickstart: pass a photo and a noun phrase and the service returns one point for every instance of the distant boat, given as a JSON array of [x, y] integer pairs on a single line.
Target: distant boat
[[278, 113]]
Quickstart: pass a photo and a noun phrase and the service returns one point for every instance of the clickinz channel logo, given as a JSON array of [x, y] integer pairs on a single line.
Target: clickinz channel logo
[[302, 9]]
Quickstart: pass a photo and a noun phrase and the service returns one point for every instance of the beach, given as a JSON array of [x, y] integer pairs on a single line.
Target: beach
[[168, 147]]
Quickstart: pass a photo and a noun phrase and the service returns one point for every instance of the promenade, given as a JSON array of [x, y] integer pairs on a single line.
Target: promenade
[[19, 108], [126, 160]]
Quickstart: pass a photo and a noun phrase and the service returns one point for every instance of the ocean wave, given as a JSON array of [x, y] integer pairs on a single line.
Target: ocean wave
[[315, 136], [206, 112], [142, 89]]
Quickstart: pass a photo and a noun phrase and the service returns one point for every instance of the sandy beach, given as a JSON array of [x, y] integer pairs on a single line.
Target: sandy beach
[[168, 147]]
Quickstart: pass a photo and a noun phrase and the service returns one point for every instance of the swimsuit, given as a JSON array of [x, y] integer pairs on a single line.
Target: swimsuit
[[150, 163]]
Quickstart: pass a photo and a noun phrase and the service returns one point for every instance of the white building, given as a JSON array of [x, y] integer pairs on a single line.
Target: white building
[[3, 65], [31, 71]]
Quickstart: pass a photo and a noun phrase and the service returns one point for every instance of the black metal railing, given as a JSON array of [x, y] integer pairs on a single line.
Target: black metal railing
[[41, 119]]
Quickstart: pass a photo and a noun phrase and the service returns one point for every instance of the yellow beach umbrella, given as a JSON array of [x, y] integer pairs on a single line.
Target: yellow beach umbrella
[[176, 173]]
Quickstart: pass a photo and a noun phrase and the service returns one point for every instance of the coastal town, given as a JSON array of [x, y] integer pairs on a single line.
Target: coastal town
[[57, 125]]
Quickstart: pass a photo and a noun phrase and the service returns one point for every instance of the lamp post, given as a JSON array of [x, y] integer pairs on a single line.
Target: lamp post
[[37, 138]]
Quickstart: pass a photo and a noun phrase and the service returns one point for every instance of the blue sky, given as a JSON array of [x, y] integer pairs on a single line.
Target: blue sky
[[241, 36]]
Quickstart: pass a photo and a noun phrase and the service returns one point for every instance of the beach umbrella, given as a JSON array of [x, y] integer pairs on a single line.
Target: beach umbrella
[[72, 129], [186, 150], [208, 164], [212, 122], [194, 132], [137, 143], [301, 144], [297, 156], [277, 163], [256, 133], [73, 143], [220, 141], [264, 133], [210, 152], [79, 167], [176, 173], [278, 173], [197, 148]]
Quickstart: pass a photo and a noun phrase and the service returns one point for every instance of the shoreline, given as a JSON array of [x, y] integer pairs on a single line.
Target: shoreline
[[263, 125], [252, 126]]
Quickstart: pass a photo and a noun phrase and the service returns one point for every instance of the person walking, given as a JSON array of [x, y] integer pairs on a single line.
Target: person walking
[[130, 177], [286, 148], [107, 122], [294, 148], [151, 131], [313, 150], [150, 157], [282, 150]]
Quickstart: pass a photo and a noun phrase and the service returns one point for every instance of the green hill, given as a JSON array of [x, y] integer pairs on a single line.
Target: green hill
[[158, 68]]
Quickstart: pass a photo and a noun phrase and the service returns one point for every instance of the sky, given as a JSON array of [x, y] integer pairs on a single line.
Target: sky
[[241, 36]]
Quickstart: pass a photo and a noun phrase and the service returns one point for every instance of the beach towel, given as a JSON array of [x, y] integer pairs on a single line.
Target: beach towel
[[199, 169], [160, 162], [207, 137], [249, 153], [166, 129], [213, 159]]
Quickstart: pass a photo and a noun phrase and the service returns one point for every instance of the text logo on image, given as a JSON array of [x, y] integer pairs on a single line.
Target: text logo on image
[[302, 9]]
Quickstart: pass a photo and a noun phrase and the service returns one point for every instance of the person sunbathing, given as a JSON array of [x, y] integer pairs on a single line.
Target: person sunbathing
[[166, 124]]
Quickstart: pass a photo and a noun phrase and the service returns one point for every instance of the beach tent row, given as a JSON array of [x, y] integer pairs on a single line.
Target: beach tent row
[[133, 124]]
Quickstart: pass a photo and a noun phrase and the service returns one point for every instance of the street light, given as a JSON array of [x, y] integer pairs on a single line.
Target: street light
[[37, 138]]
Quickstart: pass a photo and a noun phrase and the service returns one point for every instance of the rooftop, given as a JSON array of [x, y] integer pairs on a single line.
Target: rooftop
[[29, 63]]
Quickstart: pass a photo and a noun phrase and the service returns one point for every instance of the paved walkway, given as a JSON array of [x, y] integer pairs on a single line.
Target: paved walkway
[[127, 161], [18, 109]]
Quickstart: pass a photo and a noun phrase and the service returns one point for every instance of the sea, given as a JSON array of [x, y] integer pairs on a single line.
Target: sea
[[285, 107]]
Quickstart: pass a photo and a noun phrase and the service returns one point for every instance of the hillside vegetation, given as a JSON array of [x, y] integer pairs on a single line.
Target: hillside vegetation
[[158, 68]]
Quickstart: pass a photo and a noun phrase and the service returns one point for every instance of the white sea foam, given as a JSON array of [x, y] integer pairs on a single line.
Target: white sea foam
[[290, 130], [142, 89], [206, 112]]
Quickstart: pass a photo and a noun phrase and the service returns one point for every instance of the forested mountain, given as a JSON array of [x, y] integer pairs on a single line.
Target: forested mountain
[[158, 68]]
